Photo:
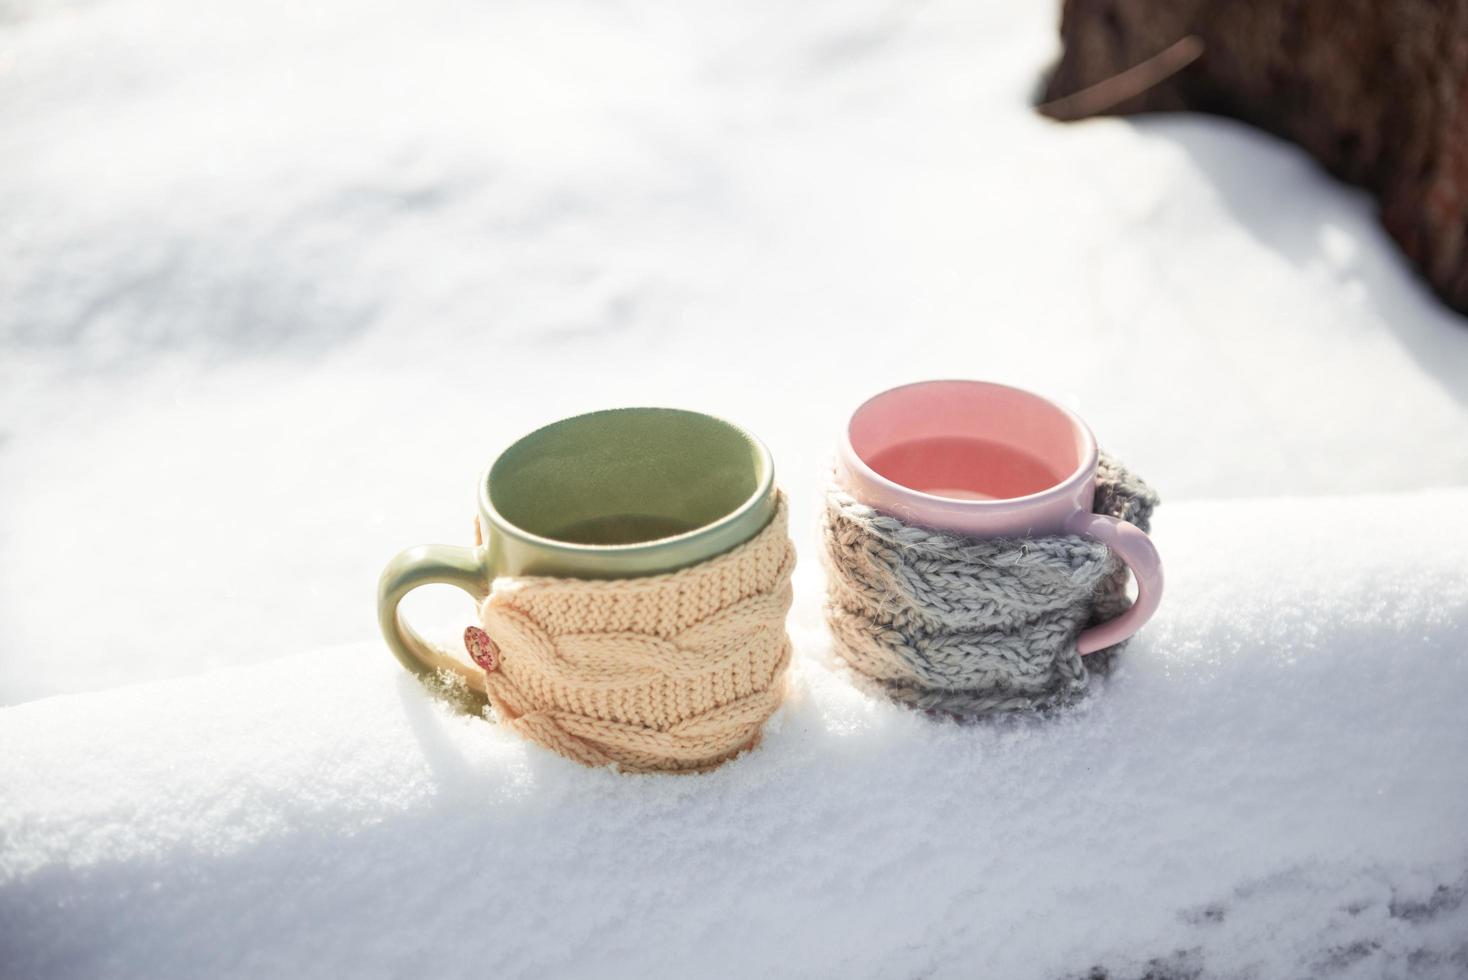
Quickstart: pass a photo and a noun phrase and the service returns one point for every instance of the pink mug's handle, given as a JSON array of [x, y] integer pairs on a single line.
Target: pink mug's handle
[[1131, 544]]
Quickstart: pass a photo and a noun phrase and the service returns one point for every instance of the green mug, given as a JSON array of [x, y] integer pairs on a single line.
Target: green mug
[[612, 494]]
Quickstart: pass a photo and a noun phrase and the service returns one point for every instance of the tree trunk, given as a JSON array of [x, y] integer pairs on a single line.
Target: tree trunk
[[1376, 90]]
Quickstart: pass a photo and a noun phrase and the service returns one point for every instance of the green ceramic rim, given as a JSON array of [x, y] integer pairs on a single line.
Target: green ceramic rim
[[522, 551]]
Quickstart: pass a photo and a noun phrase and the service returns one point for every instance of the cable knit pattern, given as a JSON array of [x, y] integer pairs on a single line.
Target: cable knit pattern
[[673, 672], [969, 626]]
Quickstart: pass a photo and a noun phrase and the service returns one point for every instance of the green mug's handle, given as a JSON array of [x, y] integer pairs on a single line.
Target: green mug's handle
[[428, 564]]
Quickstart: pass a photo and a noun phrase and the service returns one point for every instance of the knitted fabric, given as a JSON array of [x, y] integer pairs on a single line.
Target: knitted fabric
[[672, 672], [968, 626]]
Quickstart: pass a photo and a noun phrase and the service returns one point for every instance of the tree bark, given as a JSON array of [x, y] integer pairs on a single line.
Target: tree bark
[[1376, 90]]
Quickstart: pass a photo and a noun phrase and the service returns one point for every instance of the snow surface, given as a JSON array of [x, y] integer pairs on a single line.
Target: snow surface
[[277, 280], [1270, 785]]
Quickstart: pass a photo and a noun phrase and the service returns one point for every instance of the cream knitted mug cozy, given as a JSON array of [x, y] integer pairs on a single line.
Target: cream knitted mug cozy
[[969, 626], [672, 672]]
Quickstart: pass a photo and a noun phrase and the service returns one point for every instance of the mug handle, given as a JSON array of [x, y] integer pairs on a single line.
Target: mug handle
[[428, 564], [1131, 544]]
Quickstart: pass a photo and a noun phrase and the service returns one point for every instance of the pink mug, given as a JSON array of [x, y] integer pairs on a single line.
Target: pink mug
[[989, 461]]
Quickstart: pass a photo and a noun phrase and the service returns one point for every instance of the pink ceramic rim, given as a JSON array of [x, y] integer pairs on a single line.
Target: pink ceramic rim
[[1085, 471]]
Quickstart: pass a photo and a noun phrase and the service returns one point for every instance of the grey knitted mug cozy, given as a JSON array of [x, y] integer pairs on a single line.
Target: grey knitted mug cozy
[[969, 626]]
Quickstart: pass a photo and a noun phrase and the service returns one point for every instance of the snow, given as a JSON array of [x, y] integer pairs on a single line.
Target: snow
[[1269, 785], [277, 281]]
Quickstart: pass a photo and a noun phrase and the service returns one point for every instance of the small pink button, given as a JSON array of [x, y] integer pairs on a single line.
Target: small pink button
[[482, 650]]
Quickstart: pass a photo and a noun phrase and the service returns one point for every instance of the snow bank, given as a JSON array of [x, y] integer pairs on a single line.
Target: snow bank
[[1270, 784]]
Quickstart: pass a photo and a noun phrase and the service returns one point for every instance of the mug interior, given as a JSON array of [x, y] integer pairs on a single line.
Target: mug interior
[[627, 476], [968, 440]]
